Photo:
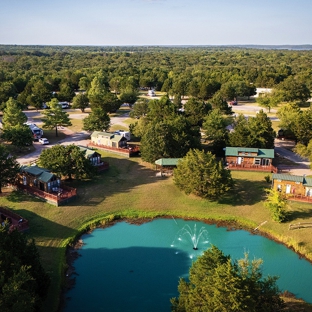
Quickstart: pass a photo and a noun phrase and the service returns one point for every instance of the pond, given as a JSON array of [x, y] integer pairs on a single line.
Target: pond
[[130, 267]]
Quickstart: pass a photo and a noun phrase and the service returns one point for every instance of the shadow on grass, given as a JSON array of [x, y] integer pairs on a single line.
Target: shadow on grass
[[43, 227], [19, 197], [123, 176], [245, 192], [299, 214]]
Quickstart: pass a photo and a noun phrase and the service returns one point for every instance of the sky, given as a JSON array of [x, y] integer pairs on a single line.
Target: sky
[[155, 22]]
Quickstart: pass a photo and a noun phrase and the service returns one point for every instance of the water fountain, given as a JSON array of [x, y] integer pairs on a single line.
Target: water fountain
[[192, 236]]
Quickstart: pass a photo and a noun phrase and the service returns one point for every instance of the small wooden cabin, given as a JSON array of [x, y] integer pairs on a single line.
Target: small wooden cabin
[[40, 178], [246, 158], [292, 184]]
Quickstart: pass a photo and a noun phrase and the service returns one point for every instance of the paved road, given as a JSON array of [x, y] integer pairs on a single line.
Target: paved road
[[78, 138], [302, 164]]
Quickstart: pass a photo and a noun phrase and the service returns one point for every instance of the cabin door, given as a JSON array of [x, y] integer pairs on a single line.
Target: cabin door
[[240, 160], [288, 188]]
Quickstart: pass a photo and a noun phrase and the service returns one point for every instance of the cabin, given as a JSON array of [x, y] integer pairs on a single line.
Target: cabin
[[95, 158], [166, 165], [253, 159], [108, 139], [42, 183], [293, 186], [115, 143]]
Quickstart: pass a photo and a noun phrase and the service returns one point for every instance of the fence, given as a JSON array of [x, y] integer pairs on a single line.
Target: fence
[[249, 167]]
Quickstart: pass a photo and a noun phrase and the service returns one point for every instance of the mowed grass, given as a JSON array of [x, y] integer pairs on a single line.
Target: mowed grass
[[130, 189]]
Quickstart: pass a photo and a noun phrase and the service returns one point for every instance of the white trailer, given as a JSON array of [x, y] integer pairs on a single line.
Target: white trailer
[[36, 131]]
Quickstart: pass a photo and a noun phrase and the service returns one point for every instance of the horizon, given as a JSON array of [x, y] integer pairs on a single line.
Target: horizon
[[156, 23]]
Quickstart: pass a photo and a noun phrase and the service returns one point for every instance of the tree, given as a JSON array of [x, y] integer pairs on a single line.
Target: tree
[[196, 111], [291, 90], [19, 135], [129, 97], [67, 161], [220, 103], [267, 101], [171, 137], [24, 283], [277, 203], [98, 120], [253, 132], [81, 102], [13, 115], [9, 167], [66, 92], [218, 284], [215, 129], [7, 90], [200, 174], [140, 109], [55, 116], [41, 93]]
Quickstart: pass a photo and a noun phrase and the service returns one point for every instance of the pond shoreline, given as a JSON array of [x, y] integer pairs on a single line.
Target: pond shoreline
[[72, 251]]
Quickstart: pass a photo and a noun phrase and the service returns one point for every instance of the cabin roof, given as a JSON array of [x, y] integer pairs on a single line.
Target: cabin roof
[[41, 174], [238, 151], [167, 161], [306, 181]]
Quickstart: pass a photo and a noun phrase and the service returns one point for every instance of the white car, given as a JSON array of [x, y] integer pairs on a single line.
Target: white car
[[44, 141]]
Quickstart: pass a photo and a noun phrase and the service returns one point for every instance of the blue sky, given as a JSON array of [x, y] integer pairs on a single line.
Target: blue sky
[[155, 22]]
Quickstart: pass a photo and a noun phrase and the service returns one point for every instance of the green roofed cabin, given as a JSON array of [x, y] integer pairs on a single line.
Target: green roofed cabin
[[295, 187], [166, 165], [253, 159], [44, 184]]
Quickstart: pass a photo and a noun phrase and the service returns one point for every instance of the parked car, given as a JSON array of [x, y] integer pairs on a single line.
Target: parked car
[[44, 141]]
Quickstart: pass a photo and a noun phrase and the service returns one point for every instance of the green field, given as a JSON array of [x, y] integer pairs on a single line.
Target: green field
[[130, 189]]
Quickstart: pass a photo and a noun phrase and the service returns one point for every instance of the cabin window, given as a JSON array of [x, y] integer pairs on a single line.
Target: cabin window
[[257, 161]]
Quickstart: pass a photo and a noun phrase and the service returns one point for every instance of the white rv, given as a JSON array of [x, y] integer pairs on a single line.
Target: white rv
[[36, 131], [125, 134]]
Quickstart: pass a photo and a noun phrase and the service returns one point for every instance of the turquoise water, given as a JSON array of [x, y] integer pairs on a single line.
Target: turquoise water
[[137, 267]]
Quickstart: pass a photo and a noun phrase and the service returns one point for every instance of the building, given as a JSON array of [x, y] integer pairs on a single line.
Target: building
[[114, 143], [166, 165], [293, 186], [108, 139], [253, 159], [95, 158], [42, 183]]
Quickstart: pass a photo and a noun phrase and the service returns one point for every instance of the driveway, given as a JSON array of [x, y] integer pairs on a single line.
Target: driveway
[[301, 166]]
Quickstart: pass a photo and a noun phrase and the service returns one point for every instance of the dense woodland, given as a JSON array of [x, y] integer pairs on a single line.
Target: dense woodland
[[197, 71]]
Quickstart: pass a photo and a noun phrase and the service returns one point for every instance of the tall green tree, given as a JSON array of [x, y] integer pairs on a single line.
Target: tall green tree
[[55, 117], [253, 132], [215, 129], [171, 138], [13, 115], [9, 167], [196, 111], [218, 284], [292, 90], [267, 101], [24, 283], [81, 102], [19, 135], [98, 120], [140, 109], [200, 174], [67, 161], [129, 97], [277, 203]]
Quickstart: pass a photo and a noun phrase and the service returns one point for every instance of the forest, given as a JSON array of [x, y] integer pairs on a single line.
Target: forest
[[30, 73]]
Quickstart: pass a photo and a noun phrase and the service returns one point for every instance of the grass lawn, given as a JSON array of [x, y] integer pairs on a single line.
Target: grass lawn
[[131, 189]]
